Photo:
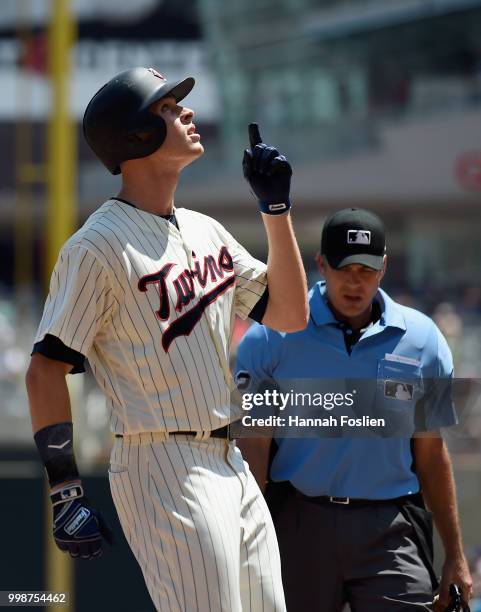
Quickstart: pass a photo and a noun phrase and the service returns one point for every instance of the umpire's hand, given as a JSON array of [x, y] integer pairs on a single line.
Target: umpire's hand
[[77, 527], [456, 601], [268, 173], [455, 571]]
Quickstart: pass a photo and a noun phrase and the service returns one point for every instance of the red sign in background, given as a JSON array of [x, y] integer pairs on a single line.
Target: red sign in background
[[467, 170]]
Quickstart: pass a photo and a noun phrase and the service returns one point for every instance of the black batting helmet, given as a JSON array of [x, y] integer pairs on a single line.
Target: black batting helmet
[[118, 124]]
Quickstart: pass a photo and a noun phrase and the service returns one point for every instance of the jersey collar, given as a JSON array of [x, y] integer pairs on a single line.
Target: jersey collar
[[321, 314], [392, 314]]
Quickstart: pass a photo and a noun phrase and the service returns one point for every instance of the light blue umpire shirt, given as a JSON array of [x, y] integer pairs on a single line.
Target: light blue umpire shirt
[[403, 352]]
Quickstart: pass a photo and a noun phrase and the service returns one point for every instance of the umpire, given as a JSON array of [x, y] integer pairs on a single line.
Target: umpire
[[349, 509]]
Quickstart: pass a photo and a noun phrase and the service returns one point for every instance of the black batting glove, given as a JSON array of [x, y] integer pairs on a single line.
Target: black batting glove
[[77, 527], [268, 173]]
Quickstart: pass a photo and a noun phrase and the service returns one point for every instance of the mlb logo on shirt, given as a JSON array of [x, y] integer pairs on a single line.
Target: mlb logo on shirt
[[355, 236]]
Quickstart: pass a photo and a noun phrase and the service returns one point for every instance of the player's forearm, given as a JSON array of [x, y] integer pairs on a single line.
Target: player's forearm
[[48, 394], [434, 470], [287, 308]]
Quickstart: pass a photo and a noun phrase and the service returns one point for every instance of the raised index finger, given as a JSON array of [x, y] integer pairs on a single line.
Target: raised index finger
[[254, 135]]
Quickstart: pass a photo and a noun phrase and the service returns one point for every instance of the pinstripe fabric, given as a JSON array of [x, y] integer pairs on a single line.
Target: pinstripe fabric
[[159, 353], [197, 524]]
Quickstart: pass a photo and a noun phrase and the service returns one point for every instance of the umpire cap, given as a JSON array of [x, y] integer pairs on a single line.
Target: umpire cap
[[354, 236], [118, 124]]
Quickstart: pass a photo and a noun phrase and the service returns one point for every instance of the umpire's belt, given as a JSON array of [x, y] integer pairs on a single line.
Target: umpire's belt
[[222, 432], [350, 501]]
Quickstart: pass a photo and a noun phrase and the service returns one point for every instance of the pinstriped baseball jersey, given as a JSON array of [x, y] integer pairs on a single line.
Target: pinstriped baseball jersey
[[152, 307]]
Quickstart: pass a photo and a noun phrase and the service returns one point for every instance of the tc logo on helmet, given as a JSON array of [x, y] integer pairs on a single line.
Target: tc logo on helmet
[[157, 74]]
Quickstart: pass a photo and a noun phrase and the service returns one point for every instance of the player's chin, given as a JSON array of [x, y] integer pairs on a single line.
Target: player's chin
[[194, 150], [197, 149], [194, 153]]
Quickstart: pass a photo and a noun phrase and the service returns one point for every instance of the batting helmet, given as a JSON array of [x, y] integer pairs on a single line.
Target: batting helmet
[[118, 124]]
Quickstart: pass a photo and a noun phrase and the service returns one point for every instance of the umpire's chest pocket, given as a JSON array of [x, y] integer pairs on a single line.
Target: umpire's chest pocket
[[399, 386]]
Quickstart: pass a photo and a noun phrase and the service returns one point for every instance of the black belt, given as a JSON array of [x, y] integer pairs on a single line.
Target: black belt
[[222, 432], [353, 501]]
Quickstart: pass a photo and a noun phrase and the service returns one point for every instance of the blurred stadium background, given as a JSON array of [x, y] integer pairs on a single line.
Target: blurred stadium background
[[376, 102]]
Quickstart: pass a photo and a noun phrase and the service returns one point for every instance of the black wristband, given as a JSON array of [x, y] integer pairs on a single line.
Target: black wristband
[[278, 208], [55, 445]]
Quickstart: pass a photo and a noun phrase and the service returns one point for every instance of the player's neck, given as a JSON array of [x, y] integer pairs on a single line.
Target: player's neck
[[150, 192]]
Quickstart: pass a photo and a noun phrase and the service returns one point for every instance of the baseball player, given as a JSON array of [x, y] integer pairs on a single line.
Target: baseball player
[[148, 293]]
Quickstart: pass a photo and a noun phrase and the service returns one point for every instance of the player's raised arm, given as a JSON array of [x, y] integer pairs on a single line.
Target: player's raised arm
[[269, 175]]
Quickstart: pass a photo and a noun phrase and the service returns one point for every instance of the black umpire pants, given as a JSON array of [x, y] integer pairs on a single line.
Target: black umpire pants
[[366, 555]]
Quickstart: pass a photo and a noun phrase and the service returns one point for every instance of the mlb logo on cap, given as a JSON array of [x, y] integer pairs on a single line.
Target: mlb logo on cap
[[355, 236]]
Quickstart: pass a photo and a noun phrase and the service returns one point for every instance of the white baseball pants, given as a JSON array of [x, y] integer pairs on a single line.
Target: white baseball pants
[[197, 523]]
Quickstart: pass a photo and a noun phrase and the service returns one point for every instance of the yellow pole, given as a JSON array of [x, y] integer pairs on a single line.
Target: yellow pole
[[59, 569], [61, 134], [61, 213]]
